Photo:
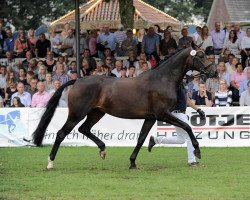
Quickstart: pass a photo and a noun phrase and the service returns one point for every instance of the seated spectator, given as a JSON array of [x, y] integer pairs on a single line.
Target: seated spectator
[[3, 77], [42, 46], [48, 82], [91, 60], [202, 97], [131, 72], [72, 67], [63, 102], [85, 69], [10, 90], [212, 84], [193, 85], [22, 76], [232, 43], [236, 80], [73, 75], [245, 96], [223, 74], [132, 59], [123, 72], [99, 68], [41, 97], [245, 46], [1, 102], [42, 73], [144, 68], [33, 66], [167, 43], [24, 96], [205, 40], [129, 44], [243, 85], [32, 87], [60, 74], [108, 62], [117, 70], [232, 68], [50, 62], [223, 97], [28, 58], [32, 40], [17, 102]]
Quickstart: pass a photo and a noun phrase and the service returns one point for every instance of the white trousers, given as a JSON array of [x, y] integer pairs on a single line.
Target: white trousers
[[181, 137]]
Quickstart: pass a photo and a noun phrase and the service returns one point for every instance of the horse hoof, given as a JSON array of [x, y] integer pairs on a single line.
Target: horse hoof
[[49, 168], [197, 153], [102, 154], [132, 167]]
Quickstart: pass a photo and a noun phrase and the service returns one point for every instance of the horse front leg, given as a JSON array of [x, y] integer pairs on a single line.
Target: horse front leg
[[171, 119], [146, 127]]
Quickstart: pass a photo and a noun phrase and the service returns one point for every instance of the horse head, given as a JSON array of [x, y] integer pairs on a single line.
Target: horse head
[[199, 62]]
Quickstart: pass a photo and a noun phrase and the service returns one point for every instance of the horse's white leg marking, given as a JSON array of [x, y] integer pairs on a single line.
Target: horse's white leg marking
[[50, 164]]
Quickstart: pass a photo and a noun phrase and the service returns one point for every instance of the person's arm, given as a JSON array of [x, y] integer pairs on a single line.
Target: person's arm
[[242, 97], [208, 99], [191, 104]]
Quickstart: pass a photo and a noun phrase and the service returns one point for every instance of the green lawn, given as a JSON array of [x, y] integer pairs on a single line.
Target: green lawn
[[163, 174]]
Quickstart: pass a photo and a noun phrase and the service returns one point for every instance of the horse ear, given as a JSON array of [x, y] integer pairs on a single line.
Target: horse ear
[[193, 45]]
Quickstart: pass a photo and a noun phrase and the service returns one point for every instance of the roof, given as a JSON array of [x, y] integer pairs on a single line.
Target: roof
[[96, 13], [228, 11]]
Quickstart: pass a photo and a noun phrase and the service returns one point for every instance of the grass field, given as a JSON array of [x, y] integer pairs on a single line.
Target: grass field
[[163, 174]]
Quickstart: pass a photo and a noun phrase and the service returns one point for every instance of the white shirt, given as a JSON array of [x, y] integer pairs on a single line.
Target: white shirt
[[245, 98], [245, 42], [25, 98]]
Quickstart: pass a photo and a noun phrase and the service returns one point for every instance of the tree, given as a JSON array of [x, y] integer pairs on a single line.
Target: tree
[[127, 11]]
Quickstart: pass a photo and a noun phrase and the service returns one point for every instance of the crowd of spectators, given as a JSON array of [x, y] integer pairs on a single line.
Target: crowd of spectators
[[33, 68]]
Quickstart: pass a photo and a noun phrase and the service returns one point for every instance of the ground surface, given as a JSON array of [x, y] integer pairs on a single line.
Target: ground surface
[[162, 174]]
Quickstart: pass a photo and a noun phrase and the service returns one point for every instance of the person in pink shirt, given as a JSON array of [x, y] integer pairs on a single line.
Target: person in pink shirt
[[40, 98], [236, 79]]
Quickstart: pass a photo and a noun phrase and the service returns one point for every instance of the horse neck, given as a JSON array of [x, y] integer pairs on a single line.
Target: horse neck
[[176, 66]]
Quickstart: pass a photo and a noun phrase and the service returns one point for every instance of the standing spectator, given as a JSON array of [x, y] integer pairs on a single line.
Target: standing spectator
[[185, 41], [120, 35], [24, 96], [197, 33], [166, 43], [240, 33], [232, 43], [60, 74], [205, 40], [65, 31], [202, 97], [245, 96], [158, 31], [42, 46], [68, 43], [129, 44], [218, 37], [32, 40], [21, 44], [243, 85], [223, 97], [107, 39], [17, 102], [236, 80], [245, 48], [9, 42], [41, 97], [151, 43], [56, 41], [92, 43], [141, 33]]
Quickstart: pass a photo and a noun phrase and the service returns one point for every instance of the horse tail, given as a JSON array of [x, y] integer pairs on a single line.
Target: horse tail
[[48, 114]]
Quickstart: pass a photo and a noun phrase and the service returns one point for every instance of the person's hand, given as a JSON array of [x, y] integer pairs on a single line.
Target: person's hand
[[201, 113]]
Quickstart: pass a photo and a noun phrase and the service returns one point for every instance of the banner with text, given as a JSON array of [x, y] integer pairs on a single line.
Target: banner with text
[[223, 127]]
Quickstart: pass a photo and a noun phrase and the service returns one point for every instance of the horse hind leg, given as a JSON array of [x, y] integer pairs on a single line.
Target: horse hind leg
[[61, 134], [146, 127], [92, 118]]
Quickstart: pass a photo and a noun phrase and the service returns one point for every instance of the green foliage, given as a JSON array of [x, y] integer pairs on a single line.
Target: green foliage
[[163, 174]]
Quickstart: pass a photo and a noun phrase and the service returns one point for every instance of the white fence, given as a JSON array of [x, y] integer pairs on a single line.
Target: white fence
[[222, 127]]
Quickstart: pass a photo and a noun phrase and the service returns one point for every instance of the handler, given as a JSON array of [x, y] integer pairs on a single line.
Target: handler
[[182, 136]]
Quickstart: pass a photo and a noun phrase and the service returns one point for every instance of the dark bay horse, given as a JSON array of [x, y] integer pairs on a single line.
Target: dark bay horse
[[154, 93]]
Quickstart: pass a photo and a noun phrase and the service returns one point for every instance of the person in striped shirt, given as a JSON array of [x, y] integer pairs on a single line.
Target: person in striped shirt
[[223, 97]]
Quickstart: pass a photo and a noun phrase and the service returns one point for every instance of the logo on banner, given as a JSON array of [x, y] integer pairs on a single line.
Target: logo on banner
[[10, 120]]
